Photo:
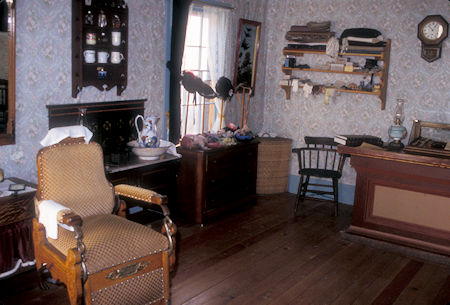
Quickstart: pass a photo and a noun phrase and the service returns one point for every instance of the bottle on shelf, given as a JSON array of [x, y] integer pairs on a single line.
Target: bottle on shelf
[[102, 22], [89, 18], [116, 22]]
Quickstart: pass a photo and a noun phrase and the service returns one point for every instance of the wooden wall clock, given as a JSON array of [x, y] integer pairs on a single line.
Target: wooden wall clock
[[432, 31]]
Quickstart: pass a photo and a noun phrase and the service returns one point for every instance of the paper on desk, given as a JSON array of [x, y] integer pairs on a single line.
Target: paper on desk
[[4, 186]]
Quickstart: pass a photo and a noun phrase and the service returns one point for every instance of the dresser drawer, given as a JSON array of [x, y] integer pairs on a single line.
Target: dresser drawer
[[231, 163]]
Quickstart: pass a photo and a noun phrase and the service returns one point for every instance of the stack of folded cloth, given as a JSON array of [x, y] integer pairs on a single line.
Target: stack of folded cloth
[[312, 36], [362, 40]]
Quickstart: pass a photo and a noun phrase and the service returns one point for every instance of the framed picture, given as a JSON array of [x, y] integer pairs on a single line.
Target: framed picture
[[247, 47]]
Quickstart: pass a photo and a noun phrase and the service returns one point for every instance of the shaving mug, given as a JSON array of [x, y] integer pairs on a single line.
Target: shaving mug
[[115, 38], [89, 56], [103, 57], [91, 38], [116, 57]]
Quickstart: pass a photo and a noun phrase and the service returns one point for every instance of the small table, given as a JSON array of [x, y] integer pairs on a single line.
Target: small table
[[16, 214]]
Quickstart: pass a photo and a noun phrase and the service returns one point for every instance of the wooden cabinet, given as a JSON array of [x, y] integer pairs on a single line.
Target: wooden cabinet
[[16, 213], [212, 181], [384, 56], [99, 45]]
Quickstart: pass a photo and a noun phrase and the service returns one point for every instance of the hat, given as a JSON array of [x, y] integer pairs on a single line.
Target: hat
[[224, 88]]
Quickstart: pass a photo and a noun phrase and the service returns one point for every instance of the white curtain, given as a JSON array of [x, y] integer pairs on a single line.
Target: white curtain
[[218, 53]]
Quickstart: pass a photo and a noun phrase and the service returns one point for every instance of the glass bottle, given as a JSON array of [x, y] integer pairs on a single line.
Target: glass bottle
[[116, 22], [89, 18], [102, 22]]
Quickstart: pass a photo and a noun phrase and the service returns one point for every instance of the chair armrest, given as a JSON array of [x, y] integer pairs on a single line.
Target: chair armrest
[[140, 193], [69, 218]]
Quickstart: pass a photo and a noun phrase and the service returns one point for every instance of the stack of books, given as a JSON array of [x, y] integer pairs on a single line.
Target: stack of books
[[364, 45], [312, 36], [357, 140]]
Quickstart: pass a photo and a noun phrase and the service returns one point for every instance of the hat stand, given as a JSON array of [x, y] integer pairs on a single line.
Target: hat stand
[[244, 98]]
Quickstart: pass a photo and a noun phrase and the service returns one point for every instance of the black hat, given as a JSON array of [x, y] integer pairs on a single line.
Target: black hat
[[224, 88]]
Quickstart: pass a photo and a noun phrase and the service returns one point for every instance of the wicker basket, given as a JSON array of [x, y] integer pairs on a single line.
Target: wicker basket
[[274, 156]]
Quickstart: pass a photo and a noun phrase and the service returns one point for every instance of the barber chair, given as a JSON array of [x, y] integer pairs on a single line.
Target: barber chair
[[106, 259]]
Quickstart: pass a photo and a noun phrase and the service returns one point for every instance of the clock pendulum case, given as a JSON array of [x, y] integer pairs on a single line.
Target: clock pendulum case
[[432, 31]]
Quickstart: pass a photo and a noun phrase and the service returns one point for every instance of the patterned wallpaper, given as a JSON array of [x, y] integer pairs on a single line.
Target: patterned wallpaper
[[44, 70]]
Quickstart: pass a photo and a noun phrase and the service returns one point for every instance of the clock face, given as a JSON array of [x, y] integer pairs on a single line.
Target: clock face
[[432, 30]]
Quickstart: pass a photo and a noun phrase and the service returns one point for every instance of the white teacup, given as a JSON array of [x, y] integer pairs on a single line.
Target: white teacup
[[89, 56], [115, 38], [103, 57], [116, 57]]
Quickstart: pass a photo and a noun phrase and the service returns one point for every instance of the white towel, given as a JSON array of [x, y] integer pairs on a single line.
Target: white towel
[[171, 150], [55, 135], [48, 213]]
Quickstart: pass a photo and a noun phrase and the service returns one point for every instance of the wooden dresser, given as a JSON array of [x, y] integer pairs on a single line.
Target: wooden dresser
[[215, 180]]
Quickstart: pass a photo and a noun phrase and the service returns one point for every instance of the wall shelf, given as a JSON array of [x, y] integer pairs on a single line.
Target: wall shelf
[[89, 35], [383, 74], [288, 71]]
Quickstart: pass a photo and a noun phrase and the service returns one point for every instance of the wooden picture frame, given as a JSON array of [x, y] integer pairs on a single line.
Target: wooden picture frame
[[247, 48]]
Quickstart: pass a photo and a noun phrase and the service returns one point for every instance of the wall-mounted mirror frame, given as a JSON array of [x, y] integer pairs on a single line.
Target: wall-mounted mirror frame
[[8, 136], [247, 47]]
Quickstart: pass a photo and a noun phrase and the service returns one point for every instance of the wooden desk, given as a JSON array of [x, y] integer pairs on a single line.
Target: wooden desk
[[16, 213], [401, 198]]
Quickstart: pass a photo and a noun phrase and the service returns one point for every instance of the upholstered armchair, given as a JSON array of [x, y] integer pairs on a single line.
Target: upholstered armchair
[[101, 257]]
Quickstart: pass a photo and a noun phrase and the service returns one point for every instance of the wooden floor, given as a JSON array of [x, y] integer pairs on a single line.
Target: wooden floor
[[263, 255]]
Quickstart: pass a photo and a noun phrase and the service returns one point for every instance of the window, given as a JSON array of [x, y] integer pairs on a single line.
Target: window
[[206, 33]]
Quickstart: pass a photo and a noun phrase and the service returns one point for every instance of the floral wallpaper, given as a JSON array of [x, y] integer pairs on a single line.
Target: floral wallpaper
[[44, 70]]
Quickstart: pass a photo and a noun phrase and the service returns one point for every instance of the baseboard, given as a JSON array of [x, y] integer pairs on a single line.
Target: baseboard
[[346, 191], [396, 248]]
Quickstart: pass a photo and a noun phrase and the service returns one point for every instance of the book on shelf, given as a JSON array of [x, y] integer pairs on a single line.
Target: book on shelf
[[357, 140], [303, 47], [358, 43], [362, 52], [371, 48], [308, 36], [365, 39]]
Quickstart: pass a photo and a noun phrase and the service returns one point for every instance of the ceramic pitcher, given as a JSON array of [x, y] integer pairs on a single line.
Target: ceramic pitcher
[[148, 136]]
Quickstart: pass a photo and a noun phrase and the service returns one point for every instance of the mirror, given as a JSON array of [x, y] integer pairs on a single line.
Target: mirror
[[7, 71], [247, 47]]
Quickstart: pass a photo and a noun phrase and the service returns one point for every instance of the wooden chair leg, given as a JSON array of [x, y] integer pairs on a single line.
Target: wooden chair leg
[[305, 189], [336, 197], [299, 191]]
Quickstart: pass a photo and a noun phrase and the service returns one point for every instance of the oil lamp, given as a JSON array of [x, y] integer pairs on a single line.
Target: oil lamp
[[397, 132]]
